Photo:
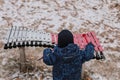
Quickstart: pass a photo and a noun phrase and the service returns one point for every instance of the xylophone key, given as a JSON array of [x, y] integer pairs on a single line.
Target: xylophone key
[[20, 37], [7, 38], [23, 44], [5, 46], [31, 44], [20, 44], [100, 49], [17, 36], [102, 55], [36, 43], [40, 44], [14, 45], [12, 38], [27, 44]]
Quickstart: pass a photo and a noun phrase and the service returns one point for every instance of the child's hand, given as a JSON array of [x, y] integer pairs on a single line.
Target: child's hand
[[90, 44]]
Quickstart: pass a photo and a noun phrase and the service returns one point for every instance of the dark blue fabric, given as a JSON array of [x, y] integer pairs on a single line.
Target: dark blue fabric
[[67, 62]]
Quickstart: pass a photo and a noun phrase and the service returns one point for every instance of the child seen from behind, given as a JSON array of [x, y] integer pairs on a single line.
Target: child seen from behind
[[67, 58]]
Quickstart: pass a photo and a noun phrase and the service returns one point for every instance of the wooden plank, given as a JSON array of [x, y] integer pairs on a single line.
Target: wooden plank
[[12, 37], [17, 36], [8, 35], [13, 45], [20, 36], [84, 41], [25, 36], [43, 36], [75, 39], [96, 41], [28, 35], [40, 36], [92, 40], [87, 39], [36, 35], [47, 37], [31, 35], [22, 59], [23, 33], [37, 42], [8, 38], [53, 38], [80, 41]]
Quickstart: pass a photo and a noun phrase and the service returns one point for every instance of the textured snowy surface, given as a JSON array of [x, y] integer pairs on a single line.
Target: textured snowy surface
[[101, 16]]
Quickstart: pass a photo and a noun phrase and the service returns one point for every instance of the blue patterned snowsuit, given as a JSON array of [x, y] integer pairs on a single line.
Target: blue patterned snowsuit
[[67, 62]]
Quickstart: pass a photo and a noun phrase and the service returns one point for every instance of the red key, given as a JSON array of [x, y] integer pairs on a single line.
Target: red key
[[92, 40], [97, 41]]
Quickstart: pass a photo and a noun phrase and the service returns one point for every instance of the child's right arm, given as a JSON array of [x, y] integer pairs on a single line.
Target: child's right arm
[[49, 57]]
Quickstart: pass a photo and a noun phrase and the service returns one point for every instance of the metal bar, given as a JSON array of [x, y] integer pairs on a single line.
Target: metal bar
[[98, 45], [8, 37], [20, 38], [17, 36], [97, 41], [92, 40], [12, 37]]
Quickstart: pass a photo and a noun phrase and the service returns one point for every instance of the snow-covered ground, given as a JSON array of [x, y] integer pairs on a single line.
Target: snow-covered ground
[[101, 16]]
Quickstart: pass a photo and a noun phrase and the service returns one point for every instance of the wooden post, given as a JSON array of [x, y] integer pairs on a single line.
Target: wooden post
[[83, 69], [23, 67]]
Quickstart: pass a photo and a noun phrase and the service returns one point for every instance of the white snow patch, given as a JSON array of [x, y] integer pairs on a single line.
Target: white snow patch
[[4, 62], [98, 77]]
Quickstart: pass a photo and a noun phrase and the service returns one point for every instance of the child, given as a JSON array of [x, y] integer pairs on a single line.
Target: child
[[67, 58]]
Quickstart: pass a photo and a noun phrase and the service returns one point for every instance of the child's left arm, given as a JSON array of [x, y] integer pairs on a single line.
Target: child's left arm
[[49, 57], [88, 53]]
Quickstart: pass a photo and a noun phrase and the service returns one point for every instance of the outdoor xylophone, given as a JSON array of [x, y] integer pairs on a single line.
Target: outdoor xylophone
[[25, 37]]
